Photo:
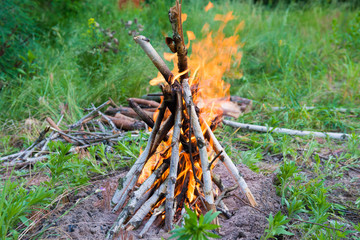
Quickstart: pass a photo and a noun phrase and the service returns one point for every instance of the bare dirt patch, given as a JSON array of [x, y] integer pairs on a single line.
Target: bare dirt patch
[[91, 218]]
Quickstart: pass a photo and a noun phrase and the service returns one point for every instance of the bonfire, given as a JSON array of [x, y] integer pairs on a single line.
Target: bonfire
[[175, 168]]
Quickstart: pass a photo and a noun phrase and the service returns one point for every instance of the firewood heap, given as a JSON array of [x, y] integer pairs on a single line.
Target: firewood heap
[[174, 169]]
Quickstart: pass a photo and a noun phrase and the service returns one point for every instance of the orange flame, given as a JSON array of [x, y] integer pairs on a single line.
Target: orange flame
[[212, 57]]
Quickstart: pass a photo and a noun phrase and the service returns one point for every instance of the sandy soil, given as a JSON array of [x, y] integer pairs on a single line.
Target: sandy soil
[[91, 218]]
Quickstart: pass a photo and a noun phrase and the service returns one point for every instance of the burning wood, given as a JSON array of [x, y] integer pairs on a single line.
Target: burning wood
[[174, 168]]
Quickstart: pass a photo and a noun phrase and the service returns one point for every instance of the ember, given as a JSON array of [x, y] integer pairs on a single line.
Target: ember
[[175, 168]]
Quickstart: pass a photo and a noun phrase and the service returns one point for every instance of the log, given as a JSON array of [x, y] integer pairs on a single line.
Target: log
[[126, 123], [240, 100], [145, 103], [153, 96], [129, 112], [139, 197], [225, 159], [207, 187], [339, 136]]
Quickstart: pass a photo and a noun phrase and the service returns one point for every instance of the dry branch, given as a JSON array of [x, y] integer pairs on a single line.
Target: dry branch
[[209, 198], [340, 136], [139, 216], [106, 119], [142, 114], [169, 205], [94, 111], [154, 57], [342, 110], [225, 159], [53, 124], [151, 220], [176, 44], [132, 176]]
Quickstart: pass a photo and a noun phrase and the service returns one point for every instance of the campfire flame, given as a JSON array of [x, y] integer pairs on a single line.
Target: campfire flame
[[212, 57]]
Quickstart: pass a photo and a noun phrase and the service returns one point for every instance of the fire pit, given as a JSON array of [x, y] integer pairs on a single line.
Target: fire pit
[[175, 168]]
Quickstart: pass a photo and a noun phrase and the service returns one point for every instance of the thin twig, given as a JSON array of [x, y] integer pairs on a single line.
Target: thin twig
[[94, 111], [216, 156]]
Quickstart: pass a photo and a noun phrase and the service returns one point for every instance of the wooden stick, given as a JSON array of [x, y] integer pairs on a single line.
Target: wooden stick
[[216, 156], [64, 135], [51, 137], [9, 157], [148, 120], [343, 110], [108, 120], [53, 124], [28, 161], [132, 176], [207, 188], [154, 57], [151, 220], [224, 193], [225, 159], [139, 216], [94, 111], [162, 134], [174, 162], [340, 136], [145, 186], [112, 103], [176, 44], [190, 148]]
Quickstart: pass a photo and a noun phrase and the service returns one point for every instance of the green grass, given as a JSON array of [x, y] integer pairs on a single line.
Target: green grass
[[294, 56]]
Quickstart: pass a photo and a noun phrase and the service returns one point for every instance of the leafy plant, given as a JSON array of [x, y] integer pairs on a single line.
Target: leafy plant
[[196, 229], [65, 168], [17, 202], [277, 226]]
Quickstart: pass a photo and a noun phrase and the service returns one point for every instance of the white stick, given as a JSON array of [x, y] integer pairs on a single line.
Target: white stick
[[151, 220], [132, 176], [145, 186], [340, 136], [225, 159], [154, 56], [174, 162], [209, 197], [343, 110], [137, 219]]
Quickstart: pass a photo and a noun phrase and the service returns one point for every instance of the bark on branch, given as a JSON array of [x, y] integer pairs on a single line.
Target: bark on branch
[[340, 136], [154, 57]]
